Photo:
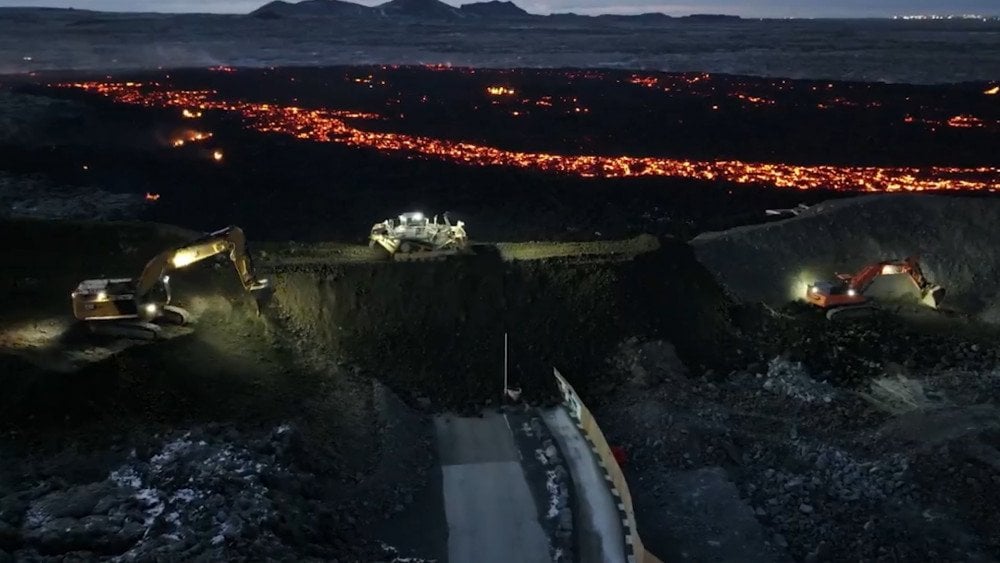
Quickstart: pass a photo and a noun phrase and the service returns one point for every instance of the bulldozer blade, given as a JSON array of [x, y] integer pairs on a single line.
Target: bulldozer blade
[[933, 296]]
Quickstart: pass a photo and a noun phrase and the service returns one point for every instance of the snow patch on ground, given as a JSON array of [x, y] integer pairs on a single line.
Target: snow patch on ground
[[191, 485], [552, 486], [392, 552]]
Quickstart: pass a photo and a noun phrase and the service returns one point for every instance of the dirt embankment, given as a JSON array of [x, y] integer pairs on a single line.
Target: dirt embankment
[[955, 237], [435, 330]]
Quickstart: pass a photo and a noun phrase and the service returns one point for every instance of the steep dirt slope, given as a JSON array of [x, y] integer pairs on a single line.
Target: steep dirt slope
[[436, 329]]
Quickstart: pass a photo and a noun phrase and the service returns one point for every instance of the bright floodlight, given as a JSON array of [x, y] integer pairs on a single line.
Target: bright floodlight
[[184, 258], [151, 309], [851, 293]]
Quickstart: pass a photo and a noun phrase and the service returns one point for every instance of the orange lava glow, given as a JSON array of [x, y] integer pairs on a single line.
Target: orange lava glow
[[189, 114], [500, 91], [152, 197], [754, 99], [190, 137], [992, 91], [221, 68], [217, 155], [647, 81], [321, 125], [965, 121]]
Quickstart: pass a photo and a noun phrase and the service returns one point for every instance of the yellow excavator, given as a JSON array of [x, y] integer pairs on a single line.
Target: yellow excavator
[[135, 307]]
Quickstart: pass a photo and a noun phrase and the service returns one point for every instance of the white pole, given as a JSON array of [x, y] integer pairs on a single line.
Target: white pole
[[505, 364]]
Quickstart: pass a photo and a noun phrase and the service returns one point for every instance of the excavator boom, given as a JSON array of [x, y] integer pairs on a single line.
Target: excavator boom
[[230, 240]]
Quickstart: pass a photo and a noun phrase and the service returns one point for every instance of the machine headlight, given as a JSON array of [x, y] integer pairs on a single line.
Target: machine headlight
[[102, 295], [151, 309], [851, 293], [813, 289]]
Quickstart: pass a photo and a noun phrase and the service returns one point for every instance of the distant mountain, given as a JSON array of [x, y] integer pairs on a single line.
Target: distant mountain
[[437, 10], [338, 8], [419, 9], [712, 17], [495, 9], [648, 17]]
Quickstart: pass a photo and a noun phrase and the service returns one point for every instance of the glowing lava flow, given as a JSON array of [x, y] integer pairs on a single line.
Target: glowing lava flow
[[329, 126]]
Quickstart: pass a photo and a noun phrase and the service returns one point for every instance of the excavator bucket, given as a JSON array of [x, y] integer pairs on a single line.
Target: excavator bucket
[[262, 291], [933, 296]]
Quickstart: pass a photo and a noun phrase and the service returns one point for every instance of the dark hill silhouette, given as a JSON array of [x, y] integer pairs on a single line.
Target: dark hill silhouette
[[339, 8], [495, 9], [422, 9]]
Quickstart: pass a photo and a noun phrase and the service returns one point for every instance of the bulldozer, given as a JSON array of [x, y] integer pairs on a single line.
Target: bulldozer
[[137, 307], [845, 296], [412, 236]]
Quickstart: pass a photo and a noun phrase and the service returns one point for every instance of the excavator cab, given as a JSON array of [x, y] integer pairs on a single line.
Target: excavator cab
[[826, 294]]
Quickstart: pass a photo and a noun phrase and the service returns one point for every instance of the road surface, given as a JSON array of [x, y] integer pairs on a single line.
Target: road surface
[[597, 521], [491, 514]]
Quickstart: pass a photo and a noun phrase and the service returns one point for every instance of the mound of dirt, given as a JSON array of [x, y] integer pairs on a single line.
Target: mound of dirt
[[955, 237], [435, 330]]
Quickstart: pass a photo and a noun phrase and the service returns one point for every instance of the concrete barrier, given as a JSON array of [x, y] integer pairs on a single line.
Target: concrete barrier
[[612, 471]]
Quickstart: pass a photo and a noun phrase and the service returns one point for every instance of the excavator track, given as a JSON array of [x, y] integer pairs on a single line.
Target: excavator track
[[135, 330], [850, 312], [174, 315], [424, 256], [141, 330]]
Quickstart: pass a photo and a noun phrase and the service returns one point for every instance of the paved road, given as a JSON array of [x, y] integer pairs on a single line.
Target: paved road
[[490, 511], [597, 521]]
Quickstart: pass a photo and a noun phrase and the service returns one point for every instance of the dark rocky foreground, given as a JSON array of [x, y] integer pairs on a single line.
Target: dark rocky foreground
[[274, 436]]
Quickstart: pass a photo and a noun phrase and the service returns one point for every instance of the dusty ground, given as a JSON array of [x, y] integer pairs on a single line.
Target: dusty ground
[[893, 468], [226, 442]]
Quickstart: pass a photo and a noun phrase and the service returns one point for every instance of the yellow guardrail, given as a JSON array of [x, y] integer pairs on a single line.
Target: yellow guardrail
[[599, 445]]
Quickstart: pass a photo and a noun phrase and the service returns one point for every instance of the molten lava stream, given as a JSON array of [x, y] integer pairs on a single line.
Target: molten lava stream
[[322, 125]]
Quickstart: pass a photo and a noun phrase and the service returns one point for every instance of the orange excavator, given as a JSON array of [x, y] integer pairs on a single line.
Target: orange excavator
[[847, 293]]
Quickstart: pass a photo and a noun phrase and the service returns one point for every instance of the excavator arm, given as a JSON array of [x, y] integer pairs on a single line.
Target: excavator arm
[[909, 266], [230, 240], [850, 288]]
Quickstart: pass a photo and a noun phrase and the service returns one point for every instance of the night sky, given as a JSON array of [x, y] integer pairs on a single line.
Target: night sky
[[747, 8]]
